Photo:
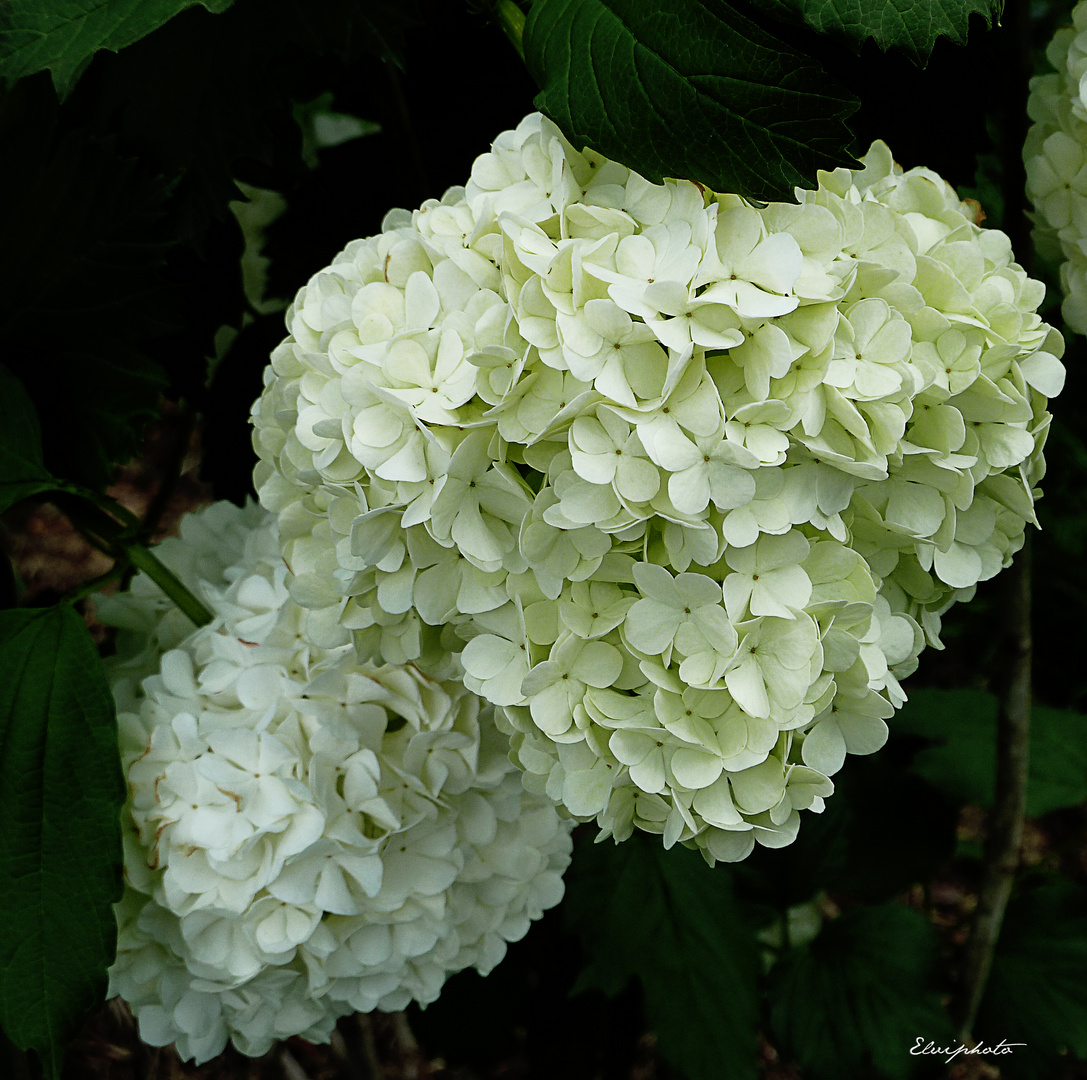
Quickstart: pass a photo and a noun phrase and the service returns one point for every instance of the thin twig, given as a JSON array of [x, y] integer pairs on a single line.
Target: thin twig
[[406, 1042], [154, 1060], [1005, 826], [354, 1049], [352, 1062], [1006, 819], [290, 1066], [118, 541], [88, 588]]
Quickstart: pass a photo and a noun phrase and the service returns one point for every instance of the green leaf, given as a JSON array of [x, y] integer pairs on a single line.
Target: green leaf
[[1037, 991], [963, 763], [63, 35], [669, 919], [22, 471], [61, 792], [851, 1004], [909, 25], [1058, 760], [687, 88]]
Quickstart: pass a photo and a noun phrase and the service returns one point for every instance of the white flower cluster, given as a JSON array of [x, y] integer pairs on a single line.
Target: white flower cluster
[[305, 836], [688, 483], [1055, 154]]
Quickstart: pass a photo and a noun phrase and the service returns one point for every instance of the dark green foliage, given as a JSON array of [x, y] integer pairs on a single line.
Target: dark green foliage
[[908, 25], [212, 105], [1060, 593], [851, 1004], [22, 471], [667, 918], [687, 88], [524, 1008], [717, 91], [863, 845], [1037, 991], [62, 37], [122, 263], [217, 92], [61, 792], [80, 284], [963, 763]]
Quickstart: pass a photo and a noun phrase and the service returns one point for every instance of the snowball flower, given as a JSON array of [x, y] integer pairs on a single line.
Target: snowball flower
[[305, 836], [1055, 155], [721, 471]]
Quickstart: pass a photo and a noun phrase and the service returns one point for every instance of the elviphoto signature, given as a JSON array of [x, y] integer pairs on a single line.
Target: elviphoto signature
[[949, 1053]]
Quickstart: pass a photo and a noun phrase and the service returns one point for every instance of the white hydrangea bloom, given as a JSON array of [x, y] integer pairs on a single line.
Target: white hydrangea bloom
[[719, 473], [1055, 154], [305, 836]]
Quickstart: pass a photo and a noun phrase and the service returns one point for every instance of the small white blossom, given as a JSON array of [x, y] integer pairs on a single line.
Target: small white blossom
[[1055, 155]]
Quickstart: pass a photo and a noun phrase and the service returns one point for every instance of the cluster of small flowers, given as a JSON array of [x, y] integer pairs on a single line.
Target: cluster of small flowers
[[304, 836], [1055, 154], [686, 482]]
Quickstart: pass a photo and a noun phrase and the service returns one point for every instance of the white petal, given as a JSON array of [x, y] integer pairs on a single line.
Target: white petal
[[760, 787], [745, 683], [695, 769], [824, 747]]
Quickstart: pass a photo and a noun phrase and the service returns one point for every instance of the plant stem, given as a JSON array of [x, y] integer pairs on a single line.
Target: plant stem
[[353, 1052], [512, 20], [1006, 819], [110, 506], [81, 592], [1001, 857], [143, 559], [119, 541]]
